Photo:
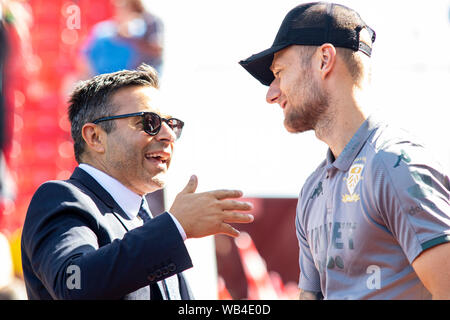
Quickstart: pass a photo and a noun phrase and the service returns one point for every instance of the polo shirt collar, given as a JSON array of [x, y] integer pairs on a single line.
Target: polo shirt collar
[[354, 146]]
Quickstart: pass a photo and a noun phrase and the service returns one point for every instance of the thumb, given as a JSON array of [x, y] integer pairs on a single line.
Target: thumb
[[191, 185]]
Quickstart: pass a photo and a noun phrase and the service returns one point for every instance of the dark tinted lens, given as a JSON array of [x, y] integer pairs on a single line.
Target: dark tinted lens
[[152, 123], [176, 126]]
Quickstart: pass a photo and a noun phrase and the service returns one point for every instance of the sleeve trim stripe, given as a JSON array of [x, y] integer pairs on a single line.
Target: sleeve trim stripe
[[435, 241]]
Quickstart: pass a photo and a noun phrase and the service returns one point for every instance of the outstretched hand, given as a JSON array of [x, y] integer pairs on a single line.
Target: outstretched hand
[[209, 213]]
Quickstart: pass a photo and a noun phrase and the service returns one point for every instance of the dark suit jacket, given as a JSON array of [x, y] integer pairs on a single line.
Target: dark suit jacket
[[77, 223]]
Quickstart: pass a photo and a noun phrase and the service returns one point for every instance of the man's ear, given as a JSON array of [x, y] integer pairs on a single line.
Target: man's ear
[[327, 56], [94, 137]]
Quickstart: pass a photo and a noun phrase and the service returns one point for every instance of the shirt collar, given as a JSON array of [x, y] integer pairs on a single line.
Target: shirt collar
[[354, 146], [129, 201]]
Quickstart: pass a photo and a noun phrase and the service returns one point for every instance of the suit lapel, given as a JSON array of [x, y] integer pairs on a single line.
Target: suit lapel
[[90, 183]]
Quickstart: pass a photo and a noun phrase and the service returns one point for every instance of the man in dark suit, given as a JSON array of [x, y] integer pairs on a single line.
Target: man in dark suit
[[92, 236]]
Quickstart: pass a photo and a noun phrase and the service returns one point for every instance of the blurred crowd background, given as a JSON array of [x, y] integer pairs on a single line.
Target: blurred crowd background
[[232, 138]]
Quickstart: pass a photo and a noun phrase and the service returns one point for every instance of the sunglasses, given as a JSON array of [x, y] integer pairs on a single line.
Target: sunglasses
[[151, 122]]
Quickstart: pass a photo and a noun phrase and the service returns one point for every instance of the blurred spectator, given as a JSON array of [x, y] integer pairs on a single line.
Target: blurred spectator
[[6, 189], [6, 267], [15, 43], [11, 287], [15, 53], [131, 37]]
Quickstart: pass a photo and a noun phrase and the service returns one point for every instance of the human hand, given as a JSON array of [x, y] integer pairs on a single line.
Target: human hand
[[209, 213]]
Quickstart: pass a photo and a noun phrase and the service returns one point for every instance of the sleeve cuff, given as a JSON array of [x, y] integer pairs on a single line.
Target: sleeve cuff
[[434, 242], [179, 227]]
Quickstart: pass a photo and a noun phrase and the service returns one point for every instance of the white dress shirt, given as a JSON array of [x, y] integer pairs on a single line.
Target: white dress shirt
[[129, 201]]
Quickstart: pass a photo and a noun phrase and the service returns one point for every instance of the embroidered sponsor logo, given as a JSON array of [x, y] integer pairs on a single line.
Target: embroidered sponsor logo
[[330, 242], [354, 176], [335, 262]]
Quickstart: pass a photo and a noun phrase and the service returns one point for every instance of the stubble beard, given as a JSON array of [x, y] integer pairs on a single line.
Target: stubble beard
[[311, 113], [145, 180]]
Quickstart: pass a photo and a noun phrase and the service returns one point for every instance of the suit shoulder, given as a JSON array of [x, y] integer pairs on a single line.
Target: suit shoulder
[[59, 191], [53, 202], [54, 197]]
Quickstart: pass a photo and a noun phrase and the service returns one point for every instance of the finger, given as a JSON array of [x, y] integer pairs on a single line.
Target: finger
[[236, 205], [224, 194], [238, 217], [191, 185], [229, 230]]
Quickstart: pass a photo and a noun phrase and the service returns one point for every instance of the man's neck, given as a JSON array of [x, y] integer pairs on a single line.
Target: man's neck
[[344, 119]]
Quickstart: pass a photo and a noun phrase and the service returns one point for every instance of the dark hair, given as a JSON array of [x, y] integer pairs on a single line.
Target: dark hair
[[91, 99]]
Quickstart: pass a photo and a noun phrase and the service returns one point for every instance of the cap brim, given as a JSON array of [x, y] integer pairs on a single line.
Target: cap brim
[[258, 65]]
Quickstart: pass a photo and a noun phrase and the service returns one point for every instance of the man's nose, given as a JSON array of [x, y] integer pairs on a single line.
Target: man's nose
[[166, 133], [274, 92]]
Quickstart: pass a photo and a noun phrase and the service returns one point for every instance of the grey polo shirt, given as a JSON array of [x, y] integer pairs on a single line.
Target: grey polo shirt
[[363, 218]]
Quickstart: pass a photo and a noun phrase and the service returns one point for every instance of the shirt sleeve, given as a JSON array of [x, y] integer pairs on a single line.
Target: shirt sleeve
[[179, 227], [309, 275], [413, 197]]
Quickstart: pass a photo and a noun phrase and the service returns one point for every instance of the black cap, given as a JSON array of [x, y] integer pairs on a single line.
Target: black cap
[[311, 24]]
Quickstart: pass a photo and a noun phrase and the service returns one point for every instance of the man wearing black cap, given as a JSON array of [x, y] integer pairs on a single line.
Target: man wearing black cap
[[373, 220]]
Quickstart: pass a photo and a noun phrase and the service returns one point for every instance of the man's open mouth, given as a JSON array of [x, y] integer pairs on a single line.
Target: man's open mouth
[[161, 157]]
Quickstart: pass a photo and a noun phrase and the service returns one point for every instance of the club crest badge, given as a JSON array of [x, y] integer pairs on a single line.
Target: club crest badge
[[352, 180]]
